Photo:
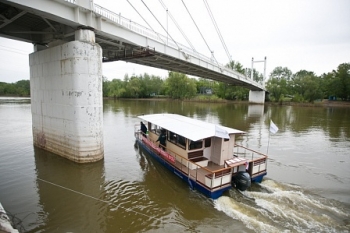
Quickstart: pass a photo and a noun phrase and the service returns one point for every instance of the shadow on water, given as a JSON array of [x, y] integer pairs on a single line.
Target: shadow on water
[[68, 194], [275, 207], [180, 208]]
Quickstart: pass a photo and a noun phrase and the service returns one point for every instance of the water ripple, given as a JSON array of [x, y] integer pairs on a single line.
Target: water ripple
[[278, 207]]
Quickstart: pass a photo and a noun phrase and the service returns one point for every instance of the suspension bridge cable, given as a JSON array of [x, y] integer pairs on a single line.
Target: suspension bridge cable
[[160, 24], [212, 52], [217, 30], [177, 25], [10, 49], [145, 21]]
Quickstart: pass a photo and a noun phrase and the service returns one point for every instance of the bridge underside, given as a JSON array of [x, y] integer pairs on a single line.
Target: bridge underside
[[71, 41], [152, 58], [22, 23]]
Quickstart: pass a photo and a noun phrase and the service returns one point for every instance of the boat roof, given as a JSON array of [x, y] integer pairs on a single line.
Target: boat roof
[[190, 128]]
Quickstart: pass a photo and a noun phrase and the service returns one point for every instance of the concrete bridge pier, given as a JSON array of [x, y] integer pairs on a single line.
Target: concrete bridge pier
[[66, 98], [257, 97]]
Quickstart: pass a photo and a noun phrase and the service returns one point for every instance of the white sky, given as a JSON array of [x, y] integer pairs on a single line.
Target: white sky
[[298, 34]]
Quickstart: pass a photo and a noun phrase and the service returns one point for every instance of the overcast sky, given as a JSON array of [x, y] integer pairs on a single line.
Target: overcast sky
[[298, 34]]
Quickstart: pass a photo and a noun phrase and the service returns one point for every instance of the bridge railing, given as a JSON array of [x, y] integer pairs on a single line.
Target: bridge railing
[[137, 28]]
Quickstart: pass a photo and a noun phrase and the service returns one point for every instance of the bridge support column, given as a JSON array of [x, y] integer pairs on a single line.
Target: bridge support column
[[66, 98], [257, 97]]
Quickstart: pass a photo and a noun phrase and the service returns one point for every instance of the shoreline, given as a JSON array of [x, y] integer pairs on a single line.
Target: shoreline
[[323, 103]]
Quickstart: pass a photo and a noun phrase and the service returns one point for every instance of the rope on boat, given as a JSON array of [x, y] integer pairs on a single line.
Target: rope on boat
[[86, 195]]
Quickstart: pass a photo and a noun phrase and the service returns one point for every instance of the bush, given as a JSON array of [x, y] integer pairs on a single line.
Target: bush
[[298, 98]]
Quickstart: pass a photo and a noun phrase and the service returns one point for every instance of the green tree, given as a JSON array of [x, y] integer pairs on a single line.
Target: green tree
[[202, 84], [116, 88], [307, 84], [156, 85], [22, 88], [150, 85], [230, 92], [179, 86], [281, 73], [277, 88], [342, 81], [235, 65], [279, 83], [133, 87], [257, 77], [105, 86]]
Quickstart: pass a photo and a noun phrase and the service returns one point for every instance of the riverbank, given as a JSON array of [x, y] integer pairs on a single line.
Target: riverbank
[[323, 103]]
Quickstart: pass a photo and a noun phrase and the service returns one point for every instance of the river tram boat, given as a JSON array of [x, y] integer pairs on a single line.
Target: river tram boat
[[203, 154]]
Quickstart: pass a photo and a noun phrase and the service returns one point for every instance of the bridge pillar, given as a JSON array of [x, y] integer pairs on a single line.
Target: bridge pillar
[[257, 97], [66, 98]]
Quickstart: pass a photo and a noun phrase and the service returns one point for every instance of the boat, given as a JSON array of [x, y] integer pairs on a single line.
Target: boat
[[202, 154]]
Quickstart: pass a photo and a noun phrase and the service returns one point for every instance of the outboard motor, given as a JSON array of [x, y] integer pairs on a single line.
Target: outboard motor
[[241, 180]]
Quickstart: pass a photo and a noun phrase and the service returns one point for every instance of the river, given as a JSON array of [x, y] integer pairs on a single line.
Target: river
[[307, 188]]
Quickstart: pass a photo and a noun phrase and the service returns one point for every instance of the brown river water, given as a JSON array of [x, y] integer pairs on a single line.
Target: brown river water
[[307, 188]]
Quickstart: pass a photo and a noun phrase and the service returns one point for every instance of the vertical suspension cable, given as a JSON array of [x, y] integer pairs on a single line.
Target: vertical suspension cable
[[212, 52], [160, 24], [145, 21], [217, 30], [177, 25]]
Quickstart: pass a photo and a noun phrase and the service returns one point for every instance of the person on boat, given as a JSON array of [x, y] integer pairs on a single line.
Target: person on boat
[[161, 139], [143, 129]]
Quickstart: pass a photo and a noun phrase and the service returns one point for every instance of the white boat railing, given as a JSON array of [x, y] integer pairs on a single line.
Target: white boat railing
[[245, 152], [258, 160], [210, 179]]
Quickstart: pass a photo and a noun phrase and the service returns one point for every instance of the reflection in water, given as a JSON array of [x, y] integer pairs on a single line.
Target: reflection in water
[[130, 192], [298, 120], [231, 115], [65, 190], [335, 122], [255, 110]]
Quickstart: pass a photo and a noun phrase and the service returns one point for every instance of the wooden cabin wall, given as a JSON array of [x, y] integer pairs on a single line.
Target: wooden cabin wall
[[232, 145], [221, 149], [227, 149], [171, 147], [216, 150]]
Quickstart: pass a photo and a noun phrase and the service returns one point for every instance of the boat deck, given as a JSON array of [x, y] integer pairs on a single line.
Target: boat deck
[[206, 173], [199, 173]]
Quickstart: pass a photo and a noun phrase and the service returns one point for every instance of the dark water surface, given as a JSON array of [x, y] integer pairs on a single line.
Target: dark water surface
[[307, 188]]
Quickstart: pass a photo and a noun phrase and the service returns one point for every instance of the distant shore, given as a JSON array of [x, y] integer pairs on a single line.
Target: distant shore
[[323, 103]]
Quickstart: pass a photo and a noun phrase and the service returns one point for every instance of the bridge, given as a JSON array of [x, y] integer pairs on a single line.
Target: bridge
[[71, 39]]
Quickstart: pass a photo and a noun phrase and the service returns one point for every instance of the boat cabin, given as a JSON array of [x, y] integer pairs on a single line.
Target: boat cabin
[[201, 151], [194, 140]]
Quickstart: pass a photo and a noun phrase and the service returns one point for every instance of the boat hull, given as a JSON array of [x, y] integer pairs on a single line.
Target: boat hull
[[259, 178], [193, 184]]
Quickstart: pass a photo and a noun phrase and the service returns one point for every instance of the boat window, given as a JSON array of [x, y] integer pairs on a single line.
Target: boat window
[[181, 141], [171, 136], [155, 128], [195, 145], [207, 142], [177, 139]]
